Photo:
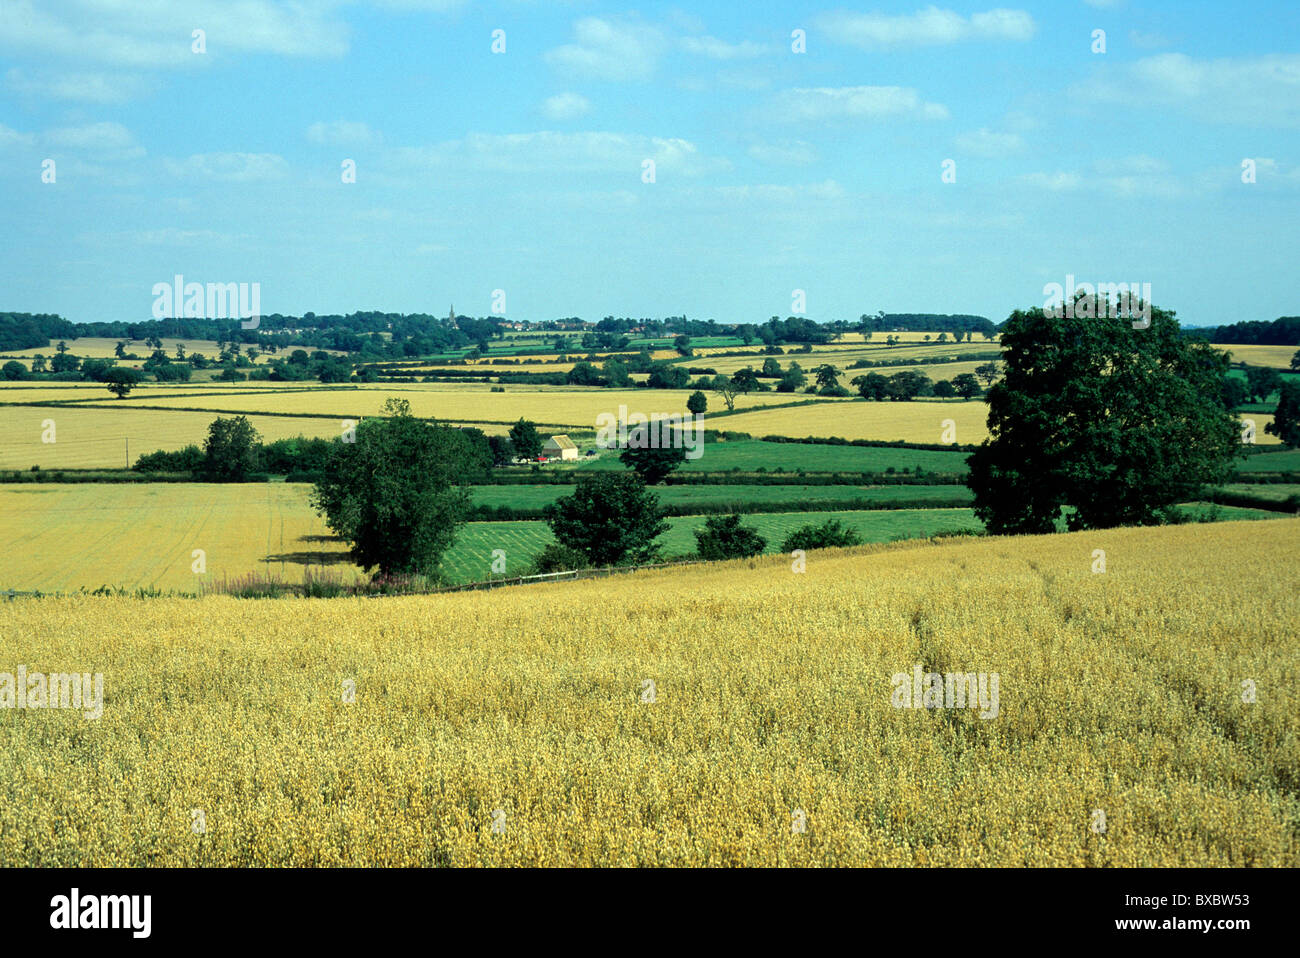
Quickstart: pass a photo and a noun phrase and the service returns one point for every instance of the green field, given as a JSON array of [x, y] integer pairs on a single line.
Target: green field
[[69, 536], [1287, 460], [754, 455], [1273, 491], [712, 497], [471, 558]]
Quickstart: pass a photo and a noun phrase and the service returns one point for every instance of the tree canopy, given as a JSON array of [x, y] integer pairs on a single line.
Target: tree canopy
[[1116, 422], [610, 518], [398, 492]]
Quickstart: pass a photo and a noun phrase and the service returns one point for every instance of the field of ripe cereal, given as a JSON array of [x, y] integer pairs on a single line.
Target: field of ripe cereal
[[909, 421], [76, 437], [465, 402], [66, 537], [774, 702]]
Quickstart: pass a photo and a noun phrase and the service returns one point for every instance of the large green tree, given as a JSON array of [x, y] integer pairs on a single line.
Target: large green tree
[[653, 463], [525, 439], [233, 450], [1119, 423], [723, 537], [1262, 382], [121, 381], [611, 518], [1286, 420], [399, 491]]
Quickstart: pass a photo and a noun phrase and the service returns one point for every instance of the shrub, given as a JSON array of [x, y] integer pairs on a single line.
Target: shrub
[[829, 535], [723, 537], [558, 557], [189, 459]]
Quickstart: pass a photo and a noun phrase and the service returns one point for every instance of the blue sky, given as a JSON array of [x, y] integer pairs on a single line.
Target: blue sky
[[774, 171]]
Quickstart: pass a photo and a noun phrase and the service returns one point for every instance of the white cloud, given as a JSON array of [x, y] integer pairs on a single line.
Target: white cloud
[[86, 87], [1263, 90], [1140, 164], [156, 33], [565, 106], [928, 27], [1054, 181], [10, 137], [551, 152], [855, 102], [610, 50], [985, 142], [792, 153], [108, 141], [171, 236], [769, 193], [229, 167], [716, 49], [432, 6], [1148, 41], [343, 133]]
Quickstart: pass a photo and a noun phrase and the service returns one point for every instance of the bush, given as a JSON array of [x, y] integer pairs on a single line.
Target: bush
[[611, 518], [558, 557], [829, 535], [723, 537], [297, 455], [189, 459]]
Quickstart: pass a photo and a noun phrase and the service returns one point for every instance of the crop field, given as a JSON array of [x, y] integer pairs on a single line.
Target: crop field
[[810, 361], [466, 402], [888, 421], [71, 536], [1278, 492], [841, 354], [1281, 460], [1278, 357], [774, 701], [98, 347], [711, 496], [936, 371], [750, 455], [95, 438], [65, 537], [145, 535], [758, 456]]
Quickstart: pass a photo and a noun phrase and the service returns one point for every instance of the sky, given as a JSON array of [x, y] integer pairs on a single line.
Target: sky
[[899, 156]]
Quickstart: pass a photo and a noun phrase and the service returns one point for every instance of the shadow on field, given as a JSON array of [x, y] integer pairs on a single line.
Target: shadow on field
[[311, 558], [320, 538]]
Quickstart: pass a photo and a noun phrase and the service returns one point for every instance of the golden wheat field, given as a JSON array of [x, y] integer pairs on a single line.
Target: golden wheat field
[[486, 729], [102, 438], [1278, 357], [463, 402], [66, 537], [99, 347], [908, 421]]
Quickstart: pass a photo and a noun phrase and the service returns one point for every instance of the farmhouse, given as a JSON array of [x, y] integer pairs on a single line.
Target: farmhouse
[[560, 447]]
